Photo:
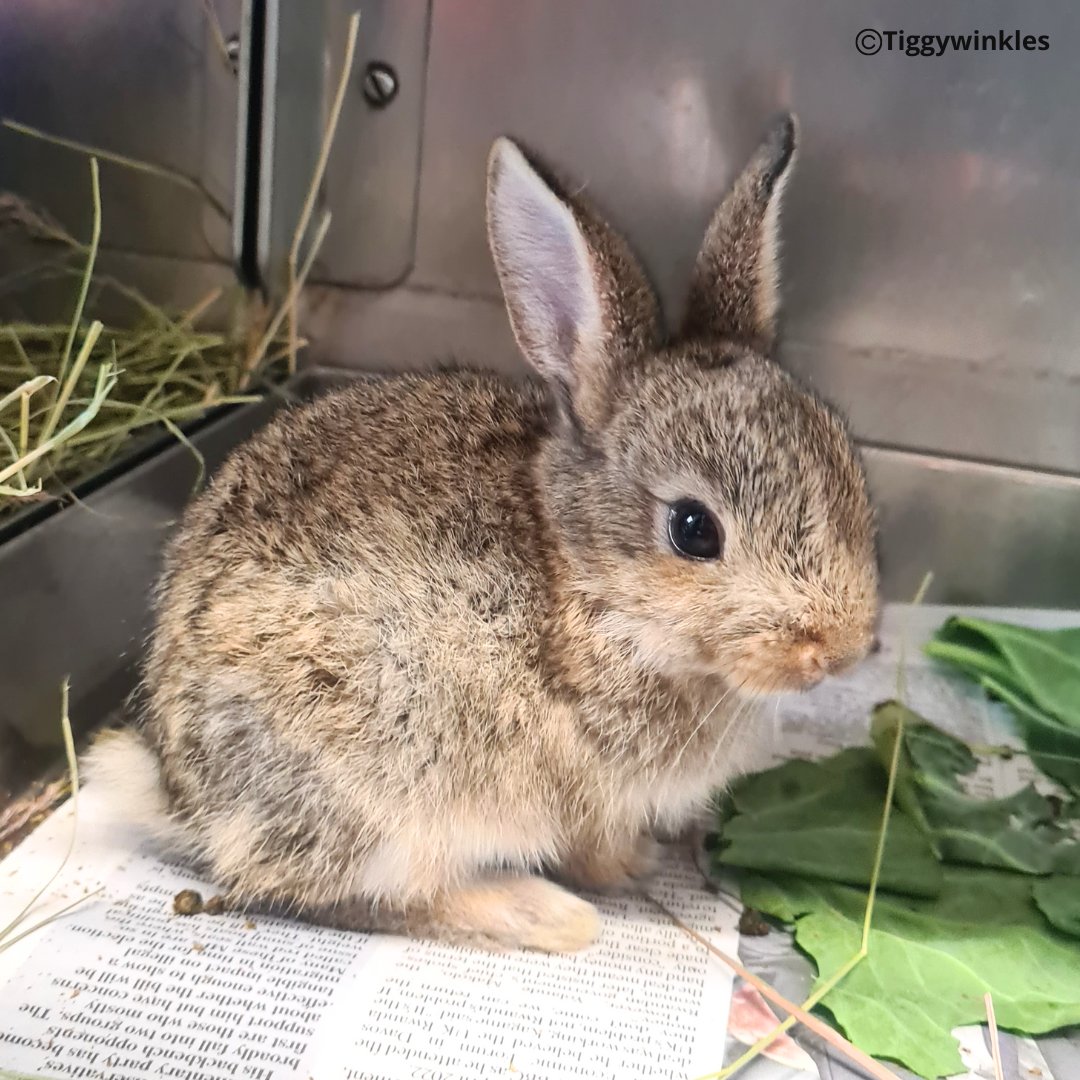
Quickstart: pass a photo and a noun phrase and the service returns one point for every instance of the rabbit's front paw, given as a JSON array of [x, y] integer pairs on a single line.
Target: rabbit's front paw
[[611, 868]]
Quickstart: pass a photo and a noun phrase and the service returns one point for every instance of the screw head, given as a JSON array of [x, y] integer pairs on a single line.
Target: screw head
[[380, 84], [232, 50]]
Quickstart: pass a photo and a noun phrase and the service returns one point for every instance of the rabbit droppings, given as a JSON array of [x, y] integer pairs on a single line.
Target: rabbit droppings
[[433, 636]]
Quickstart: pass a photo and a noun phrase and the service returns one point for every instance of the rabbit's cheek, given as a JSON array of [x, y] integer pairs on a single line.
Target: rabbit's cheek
[[750, 674]]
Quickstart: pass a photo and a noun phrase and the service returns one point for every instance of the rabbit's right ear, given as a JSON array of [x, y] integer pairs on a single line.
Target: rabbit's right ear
[[734, 294], [578, 302]]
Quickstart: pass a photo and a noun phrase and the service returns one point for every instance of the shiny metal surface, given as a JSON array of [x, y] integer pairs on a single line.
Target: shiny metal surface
[[990, 535], [371, 181], [373, 177], [141, 78], [285, 94], [931, 227], [931, 232]]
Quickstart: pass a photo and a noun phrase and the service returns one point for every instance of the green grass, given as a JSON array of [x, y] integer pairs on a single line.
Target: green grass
[[76, 395]]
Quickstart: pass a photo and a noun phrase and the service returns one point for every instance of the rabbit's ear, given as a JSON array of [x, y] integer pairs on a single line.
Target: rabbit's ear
[[578, 302], [735, 289]]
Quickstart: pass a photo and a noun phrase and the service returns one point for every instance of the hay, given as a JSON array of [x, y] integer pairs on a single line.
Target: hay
[[62, 419], [14, 930], [76, 396]]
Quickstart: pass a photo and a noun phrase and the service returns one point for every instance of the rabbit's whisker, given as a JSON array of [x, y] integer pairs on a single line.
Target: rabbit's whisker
[[700, 724]]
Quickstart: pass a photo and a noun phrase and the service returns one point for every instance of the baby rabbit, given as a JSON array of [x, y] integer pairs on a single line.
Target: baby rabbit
[[434, 635]]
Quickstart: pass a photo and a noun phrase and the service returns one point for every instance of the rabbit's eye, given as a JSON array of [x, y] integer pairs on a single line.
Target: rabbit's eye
[[693, 531]]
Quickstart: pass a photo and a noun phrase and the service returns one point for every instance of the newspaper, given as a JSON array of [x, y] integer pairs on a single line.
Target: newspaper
[[121, 987]]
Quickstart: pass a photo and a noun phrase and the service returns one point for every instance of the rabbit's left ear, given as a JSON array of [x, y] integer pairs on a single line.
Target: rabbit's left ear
[[734, 294]]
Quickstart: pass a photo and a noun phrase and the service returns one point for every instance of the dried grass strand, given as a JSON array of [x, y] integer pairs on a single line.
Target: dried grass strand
[[216, 32], [995, 1044], [294, 289], [105, 382], [308, 207], [68, 384], [134, 164], [73, 771], [84, 287], [796, 1013]]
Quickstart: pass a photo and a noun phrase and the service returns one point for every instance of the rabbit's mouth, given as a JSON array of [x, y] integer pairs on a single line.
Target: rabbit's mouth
[[770, 663], [752, 661]]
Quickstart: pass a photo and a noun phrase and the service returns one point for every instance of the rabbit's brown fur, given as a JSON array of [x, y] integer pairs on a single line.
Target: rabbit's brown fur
[[426, 636]]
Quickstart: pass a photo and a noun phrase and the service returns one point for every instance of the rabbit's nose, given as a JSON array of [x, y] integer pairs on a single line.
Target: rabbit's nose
[[815, 661]]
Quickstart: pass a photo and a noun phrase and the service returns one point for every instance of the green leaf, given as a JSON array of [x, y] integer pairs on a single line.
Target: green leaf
[[885, 722], [1053, 747], [971, 660], [822, 819], [931, 961], [1042, 665], [1015, 833], [1059, 900]]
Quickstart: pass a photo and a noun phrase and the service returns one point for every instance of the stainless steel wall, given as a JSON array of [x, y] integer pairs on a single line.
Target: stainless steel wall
[[141, 78], [932, 252], [932, 230]]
